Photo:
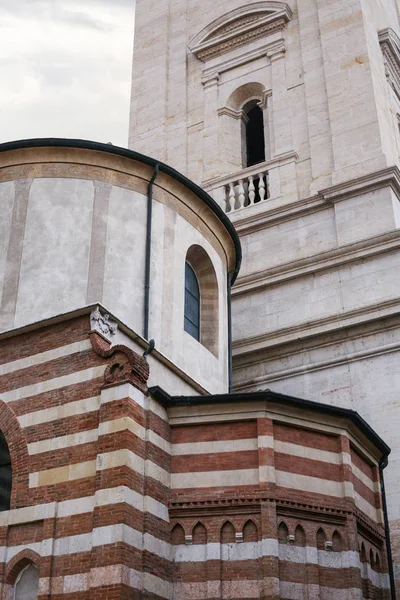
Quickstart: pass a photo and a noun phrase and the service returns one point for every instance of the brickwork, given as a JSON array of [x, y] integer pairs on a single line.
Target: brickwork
[[114, 497]]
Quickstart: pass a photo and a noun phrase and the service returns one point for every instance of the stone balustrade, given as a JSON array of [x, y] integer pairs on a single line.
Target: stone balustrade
[[240, 190]]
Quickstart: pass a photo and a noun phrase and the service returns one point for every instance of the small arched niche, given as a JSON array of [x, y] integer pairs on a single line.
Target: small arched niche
[[201, 313], [5, 474], [27, 583]]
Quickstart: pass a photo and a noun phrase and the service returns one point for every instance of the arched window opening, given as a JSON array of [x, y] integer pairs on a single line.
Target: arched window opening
[[363, 554], [254, 124], [199, 534], [336, 542], [5, 474], [300, 536], [228, 533], [283, 533], [250, 533], [192, 303], [177, 535], [27, 583], [201, 299], [321, 539]]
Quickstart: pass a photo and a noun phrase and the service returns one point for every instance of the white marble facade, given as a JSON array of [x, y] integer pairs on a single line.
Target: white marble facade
[[316, 308]]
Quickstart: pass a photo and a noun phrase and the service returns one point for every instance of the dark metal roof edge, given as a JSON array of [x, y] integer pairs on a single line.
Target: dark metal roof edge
[[125, 152], [164, 398]]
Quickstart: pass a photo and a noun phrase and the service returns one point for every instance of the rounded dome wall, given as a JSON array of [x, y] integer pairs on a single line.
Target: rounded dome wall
[[73, 232]]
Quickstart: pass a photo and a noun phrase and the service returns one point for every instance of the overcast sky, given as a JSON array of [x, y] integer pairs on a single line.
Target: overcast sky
[[65, 68]]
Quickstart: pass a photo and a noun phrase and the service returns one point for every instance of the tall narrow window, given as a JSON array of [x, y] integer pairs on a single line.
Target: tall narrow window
[[255, 143], [5, 474], [192, 303]]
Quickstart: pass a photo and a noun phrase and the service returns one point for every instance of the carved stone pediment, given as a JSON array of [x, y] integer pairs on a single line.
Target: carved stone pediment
[[390, 44], [239, 27]]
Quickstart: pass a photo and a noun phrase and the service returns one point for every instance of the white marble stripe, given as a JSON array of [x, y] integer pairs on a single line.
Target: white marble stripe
[[53, 384], [43, 357], [214, 447], [71, 472], [100, 536], [63, 411], [109, 460], [78, 506], [366, 507], [215, 478], [91, 435], [306, 452], [63, 441], [372, 485]]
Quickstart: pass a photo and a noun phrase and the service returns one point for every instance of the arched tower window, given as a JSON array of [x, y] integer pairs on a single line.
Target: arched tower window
[[5, 474], [254, 124], [201, 318], [192, 302]]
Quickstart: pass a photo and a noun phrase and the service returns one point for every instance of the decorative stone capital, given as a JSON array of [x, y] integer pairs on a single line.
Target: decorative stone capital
[[276, 53], [264, 101], [101, 323], [230, 112], [210, 79]]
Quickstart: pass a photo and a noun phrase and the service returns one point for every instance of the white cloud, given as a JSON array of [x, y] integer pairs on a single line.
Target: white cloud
[[65, 69]]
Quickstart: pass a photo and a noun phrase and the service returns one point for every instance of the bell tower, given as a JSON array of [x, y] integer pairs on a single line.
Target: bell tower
[[288, 114]]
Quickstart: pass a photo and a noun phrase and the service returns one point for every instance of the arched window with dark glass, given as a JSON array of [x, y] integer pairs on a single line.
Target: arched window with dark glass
[[255, 142], [192, 303], [5, 474]]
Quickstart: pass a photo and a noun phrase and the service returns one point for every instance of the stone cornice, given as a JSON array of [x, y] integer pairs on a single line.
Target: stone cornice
[[318, 327], [390, 45], [256, 218], [324, 261], [239, 27], [282, 159]]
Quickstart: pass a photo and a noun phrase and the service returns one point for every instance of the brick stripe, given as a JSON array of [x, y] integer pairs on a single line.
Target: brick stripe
[[44, 357], [224, 461], [306, 437], [211, 432], [52, 384], [43, 340]]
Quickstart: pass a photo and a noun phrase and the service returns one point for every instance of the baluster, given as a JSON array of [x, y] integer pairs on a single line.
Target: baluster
[[230, 205], [261, 186], [252, 190], [241, 192]]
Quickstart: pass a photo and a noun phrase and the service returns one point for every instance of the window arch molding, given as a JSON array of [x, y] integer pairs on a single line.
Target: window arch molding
[[246, 101], [19, 563], [200, 263], [18, 449]]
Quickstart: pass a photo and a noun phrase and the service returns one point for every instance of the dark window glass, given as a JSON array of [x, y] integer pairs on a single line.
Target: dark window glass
[[192, 303], [5, 474], [255, 144]]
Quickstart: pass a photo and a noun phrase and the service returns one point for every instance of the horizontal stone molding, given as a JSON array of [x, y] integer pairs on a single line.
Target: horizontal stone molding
[[322, 262], [248, 222], [321, 327]]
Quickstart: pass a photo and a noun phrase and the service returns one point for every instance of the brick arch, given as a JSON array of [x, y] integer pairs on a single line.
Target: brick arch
[[321, 538], [18, 563], [250, 531], [204, 270], [226, 535], [18, 449], [199, 533], [197, 522], [283, 532], [177, 534], [300, 535]]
